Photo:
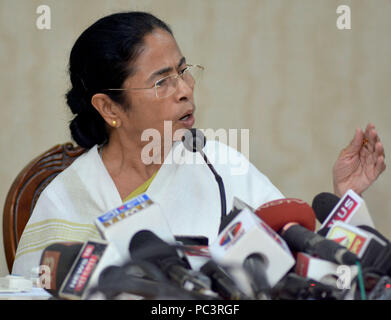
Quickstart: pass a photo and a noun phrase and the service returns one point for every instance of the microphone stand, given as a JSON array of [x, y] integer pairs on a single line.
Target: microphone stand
[[220, 183], [194, 140]]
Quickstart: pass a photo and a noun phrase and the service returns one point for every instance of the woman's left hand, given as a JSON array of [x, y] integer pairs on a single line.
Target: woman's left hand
[[360, 163]]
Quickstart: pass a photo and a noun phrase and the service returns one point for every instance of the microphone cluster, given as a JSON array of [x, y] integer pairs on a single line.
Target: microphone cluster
[[272, 252]]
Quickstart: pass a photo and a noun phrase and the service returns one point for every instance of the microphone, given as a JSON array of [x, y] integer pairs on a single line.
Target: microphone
[[255, 266], [83, 276], [248, 237], [351, 208], [195, 248], [119, 225], [278, 213], [382, 289], [126, 279], [323, 204], [367, 246], [382, 262], [296, 287], [325, 271], [194, 141], [301, 239], [222, 282], [286, 214], [147, 246], [74, 267], [59, 258]]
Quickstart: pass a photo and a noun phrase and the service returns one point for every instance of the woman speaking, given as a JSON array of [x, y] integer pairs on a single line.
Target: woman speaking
[[128, 77]]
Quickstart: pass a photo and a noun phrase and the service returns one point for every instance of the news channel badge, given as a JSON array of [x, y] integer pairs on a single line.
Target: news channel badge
[[125, 210]]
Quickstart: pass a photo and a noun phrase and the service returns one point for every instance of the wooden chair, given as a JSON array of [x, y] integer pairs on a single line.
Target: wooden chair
[[27, 187]]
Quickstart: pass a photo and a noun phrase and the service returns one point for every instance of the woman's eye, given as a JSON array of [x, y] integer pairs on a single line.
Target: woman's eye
[[184, 70], [160, 82]]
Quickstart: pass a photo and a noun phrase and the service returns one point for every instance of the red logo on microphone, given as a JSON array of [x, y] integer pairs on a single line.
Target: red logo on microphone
[[344, 210], [230, 234]]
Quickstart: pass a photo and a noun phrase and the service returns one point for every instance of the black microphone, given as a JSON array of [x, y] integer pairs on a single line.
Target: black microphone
[[194, 141], [145, 245], [286, 213], [222, 282], [255, 267], [379, 257], [295, 287], [382, 290], [59, 257], [323, 204], [116, 280], [301, 239]]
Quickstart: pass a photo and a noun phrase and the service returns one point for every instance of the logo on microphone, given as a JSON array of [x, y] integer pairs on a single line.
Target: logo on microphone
[[231, 235], [76, 282], [344, 210], [354, 242], [128, 209]]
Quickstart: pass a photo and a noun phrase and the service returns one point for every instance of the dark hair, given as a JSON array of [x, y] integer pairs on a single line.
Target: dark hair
[[100, 59]]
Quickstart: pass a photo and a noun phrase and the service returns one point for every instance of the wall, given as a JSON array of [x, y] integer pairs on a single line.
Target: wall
[[280, 68]]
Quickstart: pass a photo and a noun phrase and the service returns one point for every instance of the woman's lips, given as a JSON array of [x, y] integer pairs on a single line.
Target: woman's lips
[[188, 121]]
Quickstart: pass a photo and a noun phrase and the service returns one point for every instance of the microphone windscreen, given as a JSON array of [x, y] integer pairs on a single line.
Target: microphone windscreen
[[193, 140], [323, 204], [59, 257], [278, 213], [323, 232], [146, 245], [375, 232]]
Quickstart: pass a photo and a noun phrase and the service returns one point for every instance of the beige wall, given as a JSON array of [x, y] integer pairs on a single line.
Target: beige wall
[[278, 67]]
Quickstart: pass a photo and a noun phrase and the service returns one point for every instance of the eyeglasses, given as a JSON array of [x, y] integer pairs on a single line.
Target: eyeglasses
[[166, 86]]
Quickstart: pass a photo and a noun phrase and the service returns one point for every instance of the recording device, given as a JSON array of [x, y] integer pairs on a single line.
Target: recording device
[[381, 262], [255, 267], [300, 239], [296, 287], [194, 141], [286, 217], [74, 267], [365, 245], [196, 250], [323, 204], [58, 259], [222, 283], [382, 290], [278, 213], [355, 229], [120, 224], [245, 236], [351, 208], [146, 246], [141, 280], [325, 272]]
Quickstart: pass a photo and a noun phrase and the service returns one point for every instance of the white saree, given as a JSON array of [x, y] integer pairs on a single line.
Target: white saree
[[184, 187]]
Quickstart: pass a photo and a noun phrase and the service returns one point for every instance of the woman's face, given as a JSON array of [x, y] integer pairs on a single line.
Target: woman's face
[[159, 58]]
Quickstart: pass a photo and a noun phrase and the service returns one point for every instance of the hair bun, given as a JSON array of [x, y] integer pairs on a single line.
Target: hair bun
[[85, 131], [76, 101]]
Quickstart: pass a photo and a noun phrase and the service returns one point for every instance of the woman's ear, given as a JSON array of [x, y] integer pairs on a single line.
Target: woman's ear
[[107, 108]]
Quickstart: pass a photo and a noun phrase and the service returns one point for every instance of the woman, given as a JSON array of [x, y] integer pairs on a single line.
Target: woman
[[129, 76]]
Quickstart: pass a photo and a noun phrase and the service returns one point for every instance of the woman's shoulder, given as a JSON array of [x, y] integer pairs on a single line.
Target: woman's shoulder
[[71, 178], [85, 162]]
